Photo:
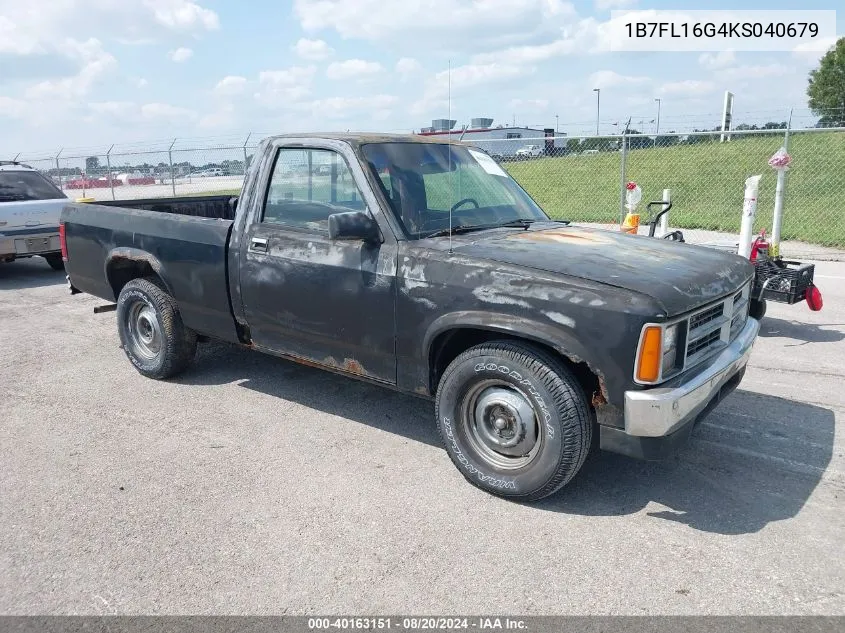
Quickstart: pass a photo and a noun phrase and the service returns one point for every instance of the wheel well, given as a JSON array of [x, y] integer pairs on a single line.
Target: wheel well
[[448, 345], [121, 271]]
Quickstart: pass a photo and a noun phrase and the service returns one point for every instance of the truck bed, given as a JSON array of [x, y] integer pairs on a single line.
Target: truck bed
[[215, 207], [184, 241]]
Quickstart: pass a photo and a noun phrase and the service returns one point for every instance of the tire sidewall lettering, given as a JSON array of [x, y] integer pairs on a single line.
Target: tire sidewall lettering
[[525, 383], [500, 483]]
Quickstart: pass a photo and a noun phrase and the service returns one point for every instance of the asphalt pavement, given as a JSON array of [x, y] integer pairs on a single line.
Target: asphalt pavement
[[254, 485]]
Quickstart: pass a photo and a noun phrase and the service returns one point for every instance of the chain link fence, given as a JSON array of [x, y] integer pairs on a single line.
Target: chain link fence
[[580, 179], [583, 180]]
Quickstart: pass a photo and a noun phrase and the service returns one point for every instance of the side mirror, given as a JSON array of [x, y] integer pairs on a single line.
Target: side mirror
[[354, 225]]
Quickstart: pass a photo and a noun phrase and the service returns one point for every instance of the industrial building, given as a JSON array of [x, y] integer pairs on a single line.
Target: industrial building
[[500, 141]]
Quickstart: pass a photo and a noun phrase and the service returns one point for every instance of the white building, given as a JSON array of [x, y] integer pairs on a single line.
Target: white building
[[500, 141]]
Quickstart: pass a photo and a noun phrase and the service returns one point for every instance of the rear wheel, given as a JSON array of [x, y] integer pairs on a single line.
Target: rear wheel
[[514, 420], [55, 261], [151, 330]]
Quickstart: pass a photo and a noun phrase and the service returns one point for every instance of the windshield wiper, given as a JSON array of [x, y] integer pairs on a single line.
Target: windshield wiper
[[468, 228]]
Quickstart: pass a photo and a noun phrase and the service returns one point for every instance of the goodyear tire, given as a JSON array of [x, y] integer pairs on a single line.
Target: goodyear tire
[[151, 330], [514, 420]]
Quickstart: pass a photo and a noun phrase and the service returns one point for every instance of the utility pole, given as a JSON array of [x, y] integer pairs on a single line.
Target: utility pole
[[598, 107], [657, 128]]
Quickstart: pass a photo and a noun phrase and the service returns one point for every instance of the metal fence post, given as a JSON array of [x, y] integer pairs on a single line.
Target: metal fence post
[[108, 165], [622, 180], [170, 159], [245, 142], [59, 170]]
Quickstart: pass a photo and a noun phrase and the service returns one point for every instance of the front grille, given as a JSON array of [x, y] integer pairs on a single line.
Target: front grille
[[707, 316], [703, 343], [715, 326]]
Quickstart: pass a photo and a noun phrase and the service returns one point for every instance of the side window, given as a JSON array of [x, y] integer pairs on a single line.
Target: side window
[[307, 186]]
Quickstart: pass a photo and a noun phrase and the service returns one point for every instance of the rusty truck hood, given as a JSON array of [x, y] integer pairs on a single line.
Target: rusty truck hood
[[679, 276]]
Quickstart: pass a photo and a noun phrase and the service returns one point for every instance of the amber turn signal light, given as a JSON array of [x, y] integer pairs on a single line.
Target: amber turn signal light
[[648, 363]]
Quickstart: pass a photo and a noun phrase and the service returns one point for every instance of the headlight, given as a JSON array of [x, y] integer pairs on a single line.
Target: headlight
[[657, 354], [670, 349]]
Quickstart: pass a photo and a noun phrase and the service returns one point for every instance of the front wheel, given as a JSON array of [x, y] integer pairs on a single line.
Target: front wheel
[[514, 420], [757, 309], [151, 330]]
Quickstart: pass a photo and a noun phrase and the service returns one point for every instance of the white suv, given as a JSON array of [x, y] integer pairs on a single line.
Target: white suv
[[30, 205]]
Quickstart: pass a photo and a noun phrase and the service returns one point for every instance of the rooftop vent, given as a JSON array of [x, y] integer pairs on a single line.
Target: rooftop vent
[[480, 122], [443, 125]]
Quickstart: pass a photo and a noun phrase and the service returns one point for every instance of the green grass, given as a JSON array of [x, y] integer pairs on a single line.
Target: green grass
[[707, 183]]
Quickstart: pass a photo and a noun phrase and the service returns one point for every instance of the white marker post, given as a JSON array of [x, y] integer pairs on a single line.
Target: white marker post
[[780, 162], [663, 226], [749, 210]]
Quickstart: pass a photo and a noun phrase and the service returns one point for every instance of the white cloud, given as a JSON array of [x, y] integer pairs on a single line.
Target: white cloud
[[407, 67], [535, 105], [287, 76], [714, 61], [743, 73], [814, 51], [286, 87], [462, 78], [180, 55], [434, 20], [182, 14], [353, 68], [95, 63], [313, 50], [41, 27], [166, 111], [140, 82], [689, 87], [124, 110], [12, 108], [609, 78], [342, 107], [222, 117], [230, 86], [606, 5]]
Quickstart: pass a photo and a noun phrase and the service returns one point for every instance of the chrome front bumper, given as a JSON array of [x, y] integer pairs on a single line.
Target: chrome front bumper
[[662, 411]]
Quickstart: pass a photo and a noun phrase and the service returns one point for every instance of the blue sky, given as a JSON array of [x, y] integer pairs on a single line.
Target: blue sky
[[85, 73]]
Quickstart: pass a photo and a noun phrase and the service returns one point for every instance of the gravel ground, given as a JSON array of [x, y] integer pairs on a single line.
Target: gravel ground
[[254, 485]]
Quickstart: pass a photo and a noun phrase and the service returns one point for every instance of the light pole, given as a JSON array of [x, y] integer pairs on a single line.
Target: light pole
[[657, 129], [557, 126], [598, 107]]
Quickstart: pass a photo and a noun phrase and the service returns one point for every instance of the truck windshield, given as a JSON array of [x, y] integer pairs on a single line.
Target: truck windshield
[[18, 185], [424, 181]]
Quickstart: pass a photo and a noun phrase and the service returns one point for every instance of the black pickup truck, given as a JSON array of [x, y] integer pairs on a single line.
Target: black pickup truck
[[422, 266]]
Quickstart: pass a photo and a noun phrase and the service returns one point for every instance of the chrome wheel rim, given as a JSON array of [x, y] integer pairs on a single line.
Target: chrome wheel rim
[[144, 331], [501, 425]]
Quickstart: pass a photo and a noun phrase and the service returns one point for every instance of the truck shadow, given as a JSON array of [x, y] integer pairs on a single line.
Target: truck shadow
[[220, 363], [802, 332], [754, 460], [32, 272]]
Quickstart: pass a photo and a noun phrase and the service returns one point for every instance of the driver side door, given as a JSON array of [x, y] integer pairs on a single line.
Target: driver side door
[[329, 302]]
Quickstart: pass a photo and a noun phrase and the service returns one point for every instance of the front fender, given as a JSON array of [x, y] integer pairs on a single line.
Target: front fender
[[558, 336]]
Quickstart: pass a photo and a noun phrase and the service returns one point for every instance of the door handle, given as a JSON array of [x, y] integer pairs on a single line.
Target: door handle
[[258, 244]]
